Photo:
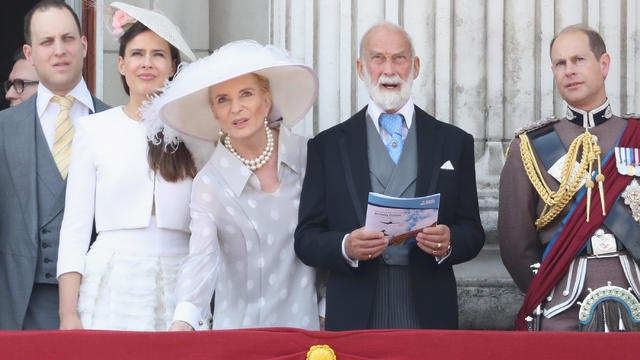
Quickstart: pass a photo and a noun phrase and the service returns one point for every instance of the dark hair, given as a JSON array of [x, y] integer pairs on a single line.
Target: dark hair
[[172, 165], [18, 55], [42, 6], [134, 30], [596, 44]]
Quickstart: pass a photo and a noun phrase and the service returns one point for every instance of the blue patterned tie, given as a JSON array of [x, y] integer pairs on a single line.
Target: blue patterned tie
[[392, 123]]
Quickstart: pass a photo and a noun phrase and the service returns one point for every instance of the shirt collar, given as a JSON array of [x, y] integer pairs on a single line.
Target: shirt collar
[[289, 152], [80, 92], [237, 175], [407, 111], [589, 119]]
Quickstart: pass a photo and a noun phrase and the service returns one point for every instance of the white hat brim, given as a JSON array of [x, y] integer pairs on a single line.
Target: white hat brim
[[184, 103], [159, 24]]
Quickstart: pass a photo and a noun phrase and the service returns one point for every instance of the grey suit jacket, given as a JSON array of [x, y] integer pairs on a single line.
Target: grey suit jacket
[[18, 209]]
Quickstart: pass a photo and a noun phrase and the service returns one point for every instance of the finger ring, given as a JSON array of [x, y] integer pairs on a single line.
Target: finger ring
[[433, 252], [369, 256], [439, 245]]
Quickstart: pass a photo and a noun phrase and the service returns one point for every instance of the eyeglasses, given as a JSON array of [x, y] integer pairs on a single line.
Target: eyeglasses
[[17, 84]]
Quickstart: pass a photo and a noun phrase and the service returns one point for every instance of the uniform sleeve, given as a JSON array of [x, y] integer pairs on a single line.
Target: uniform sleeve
[[77, 223], [520, 245], [198, 274]]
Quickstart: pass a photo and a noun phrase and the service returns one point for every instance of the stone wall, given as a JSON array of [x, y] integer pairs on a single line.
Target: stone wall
[[485, 68]]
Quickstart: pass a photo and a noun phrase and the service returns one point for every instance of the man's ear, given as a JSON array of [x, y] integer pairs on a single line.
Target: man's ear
[[26, 49], [83, 39], [605, 60], [416, 66], [360, 69]]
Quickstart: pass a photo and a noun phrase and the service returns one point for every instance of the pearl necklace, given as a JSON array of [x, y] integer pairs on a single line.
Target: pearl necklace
[[258, 162]]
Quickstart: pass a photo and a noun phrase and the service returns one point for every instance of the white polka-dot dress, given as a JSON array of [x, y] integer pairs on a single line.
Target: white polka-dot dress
[[242, 246]]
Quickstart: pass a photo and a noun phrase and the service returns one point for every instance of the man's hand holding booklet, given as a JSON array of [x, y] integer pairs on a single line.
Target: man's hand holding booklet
[[401, 218]]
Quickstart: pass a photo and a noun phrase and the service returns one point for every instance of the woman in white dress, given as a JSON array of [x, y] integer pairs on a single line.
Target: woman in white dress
[[244, 202], [137, 194]]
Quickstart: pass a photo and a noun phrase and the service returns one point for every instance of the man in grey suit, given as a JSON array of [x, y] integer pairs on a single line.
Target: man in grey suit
[[35, 140]]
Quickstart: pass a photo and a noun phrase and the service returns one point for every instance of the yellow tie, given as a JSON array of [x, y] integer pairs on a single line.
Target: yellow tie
[[64, 135]]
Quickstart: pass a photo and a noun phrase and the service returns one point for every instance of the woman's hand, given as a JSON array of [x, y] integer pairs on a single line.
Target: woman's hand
[[180, 325], [68, 289], [70, 322]]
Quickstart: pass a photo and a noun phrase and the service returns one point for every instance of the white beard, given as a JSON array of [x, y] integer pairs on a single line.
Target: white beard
[[389, 99]]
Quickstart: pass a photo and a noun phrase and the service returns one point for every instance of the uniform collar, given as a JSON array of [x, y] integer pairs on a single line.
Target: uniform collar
[[589, 119], [237, 175], [80, 92]]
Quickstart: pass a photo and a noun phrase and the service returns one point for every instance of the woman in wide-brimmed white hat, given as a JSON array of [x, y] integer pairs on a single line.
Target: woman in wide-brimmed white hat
[[244, 203], [137, 193]]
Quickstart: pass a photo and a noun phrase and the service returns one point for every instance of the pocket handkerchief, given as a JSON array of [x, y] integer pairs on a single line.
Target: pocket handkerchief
[[447, 166]]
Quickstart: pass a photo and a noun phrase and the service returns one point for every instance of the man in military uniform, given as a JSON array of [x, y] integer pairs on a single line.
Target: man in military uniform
[[567, 192]]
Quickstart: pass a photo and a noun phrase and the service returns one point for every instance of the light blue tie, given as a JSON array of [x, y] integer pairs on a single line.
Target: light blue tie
[[392, 123]]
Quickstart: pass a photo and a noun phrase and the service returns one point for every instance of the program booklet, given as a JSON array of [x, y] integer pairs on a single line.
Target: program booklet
[[401, 218]]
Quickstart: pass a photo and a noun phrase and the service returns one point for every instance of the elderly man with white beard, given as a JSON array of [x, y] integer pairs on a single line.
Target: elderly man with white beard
[[395, 148]]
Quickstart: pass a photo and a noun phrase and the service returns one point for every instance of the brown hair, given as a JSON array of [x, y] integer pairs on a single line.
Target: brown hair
[[596, 44], [264, 83], [43, 6], [173, 164]]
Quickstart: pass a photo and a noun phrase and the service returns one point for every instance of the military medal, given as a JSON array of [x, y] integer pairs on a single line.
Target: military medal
[[620, 161], [627, 161], [631, 196], [631, 169]]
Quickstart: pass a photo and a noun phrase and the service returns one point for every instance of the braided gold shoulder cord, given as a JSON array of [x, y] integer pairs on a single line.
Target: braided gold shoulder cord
[[570, 180]]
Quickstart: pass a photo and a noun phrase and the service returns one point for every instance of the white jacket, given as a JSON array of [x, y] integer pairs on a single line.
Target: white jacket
[[109, 179]]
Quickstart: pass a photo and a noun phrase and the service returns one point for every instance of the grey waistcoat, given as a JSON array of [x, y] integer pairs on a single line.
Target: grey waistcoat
[[51, 190], [394, 180]]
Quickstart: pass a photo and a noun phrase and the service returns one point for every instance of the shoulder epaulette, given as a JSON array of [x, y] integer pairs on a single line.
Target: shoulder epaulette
[[631, 116], [537, 125]]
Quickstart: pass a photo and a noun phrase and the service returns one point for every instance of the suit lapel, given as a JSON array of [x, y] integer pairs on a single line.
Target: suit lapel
[[429, 153], [57, 202], [353, 150], [98, 105], [49, 178], [20, 142]]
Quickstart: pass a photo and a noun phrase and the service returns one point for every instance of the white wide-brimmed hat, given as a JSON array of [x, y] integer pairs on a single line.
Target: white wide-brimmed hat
[[154, 20], [183, 106]]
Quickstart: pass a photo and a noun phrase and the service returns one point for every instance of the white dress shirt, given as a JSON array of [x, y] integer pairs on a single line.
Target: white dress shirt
[[48, 111], [407, 111], [110, 180], [241, 246]]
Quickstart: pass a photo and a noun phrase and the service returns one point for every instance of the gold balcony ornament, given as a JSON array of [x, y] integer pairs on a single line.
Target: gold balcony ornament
[[321, 352]]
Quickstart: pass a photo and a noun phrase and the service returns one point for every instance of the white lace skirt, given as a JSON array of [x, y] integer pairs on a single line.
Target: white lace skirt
[[130, 278]]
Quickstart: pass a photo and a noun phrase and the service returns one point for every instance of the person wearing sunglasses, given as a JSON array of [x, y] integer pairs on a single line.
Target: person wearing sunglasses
[[22, 82]]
